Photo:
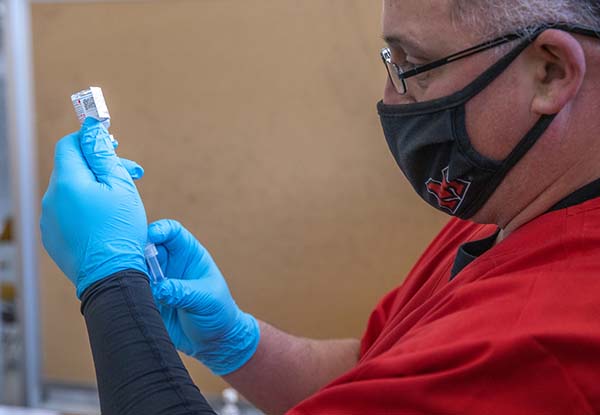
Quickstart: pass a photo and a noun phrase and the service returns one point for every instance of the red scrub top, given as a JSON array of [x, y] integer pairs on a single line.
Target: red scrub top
[[517, 331]]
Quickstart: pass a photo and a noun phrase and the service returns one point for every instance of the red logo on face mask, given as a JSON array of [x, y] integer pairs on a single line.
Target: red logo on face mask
[[449, 194]]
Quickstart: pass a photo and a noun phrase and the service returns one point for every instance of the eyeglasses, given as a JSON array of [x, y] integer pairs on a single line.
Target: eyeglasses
[[398, 75]]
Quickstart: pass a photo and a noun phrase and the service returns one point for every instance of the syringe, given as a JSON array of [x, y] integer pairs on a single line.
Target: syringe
[[154, 269]]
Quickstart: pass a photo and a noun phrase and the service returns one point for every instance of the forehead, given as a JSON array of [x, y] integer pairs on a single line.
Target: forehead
[[423, 21]]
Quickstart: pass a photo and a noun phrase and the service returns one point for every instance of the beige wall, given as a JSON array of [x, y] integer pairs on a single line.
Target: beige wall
[[256, 123]]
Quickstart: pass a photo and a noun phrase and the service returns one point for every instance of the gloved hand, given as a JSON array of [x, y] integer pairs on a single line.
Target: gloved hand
[[93, 222], [201, 317]]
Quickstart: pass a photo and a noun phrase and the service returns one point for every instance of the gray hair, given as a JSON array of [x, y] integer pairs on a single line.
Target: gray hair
[[498, 17]]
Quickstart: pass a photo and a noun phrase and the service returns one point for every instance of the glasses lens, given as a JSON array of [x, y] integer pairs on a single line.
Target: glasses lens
[[393, 71]]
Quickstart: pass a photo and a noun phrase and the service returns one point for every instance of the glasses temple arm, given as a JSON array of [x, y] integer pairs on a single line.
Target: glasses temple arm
[[459, 55]]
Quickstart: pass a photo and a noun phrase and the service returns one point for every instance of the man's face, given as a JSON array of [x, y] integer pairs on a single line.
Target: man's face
[[420, 31]]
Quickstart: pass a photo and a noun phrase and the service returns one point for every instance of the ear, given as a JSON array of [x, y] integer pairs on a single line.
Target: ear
[[559, 64]]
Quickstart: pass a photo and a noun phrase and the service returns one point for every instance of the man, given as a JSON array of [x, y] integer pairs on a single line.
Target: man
[[490, 111]]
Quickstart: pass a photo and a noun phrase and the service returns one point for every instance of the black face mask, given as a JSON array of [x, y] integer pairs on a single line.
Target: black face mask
[[430, 143]]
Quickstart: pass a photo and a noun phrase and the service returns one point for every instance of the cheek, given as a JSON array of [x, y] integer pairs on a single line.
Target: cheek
[[500, 116]]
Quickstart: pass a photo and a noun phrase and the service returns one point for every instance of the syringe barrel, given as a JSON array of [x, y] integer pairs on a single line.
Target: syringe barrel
[[154, 269]]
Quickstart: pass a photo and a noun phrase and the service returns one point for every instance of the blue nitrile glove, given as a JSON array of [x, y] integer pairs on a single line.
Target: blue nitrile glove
[[202, 318], [93, 221]]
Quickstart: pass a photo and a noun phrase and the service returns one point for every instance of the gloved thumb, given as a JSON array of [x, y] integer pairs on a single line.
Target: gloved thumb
[[135, 170], [180, 294], [99, 152]]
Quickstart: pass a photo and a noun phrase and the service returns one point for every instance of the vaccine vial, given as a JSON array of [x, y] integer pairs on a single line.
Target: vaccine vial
[[91, 103]]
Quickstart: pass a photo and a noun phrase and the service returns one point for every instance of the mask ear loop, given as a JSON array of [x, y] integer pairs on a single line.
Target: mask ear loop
[[459, 112], [532, 136], [526, 143]]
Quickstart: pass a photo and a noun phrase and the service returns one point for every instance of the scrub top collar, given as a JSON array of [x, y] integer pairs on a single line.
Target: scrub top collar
[[470, 251]]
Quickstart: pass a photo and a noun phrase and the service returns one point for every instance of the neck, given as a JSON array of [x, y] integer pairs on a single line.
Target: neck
[[564, 160], [546, 199]]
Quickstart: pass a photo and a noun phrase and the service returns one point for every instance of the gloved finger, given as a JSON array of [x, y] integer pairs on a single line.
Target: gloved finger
[[179, 294], [171, 234], [164, 230], [99, 153], [69, 162], [179, 247], [135, 170]]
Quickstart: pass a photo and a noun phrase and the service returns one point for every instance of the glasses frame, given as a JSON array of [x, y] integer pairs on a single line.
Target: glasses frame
[[398, 76]]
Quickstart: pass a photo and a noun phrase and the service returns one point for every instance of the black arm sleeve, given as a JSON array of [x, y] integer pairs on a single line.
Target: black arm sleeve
[[138, 369]]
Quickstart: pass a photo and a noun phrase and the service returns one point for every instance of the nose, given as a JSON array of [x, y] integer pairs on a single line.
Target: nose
[[392, 97]]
